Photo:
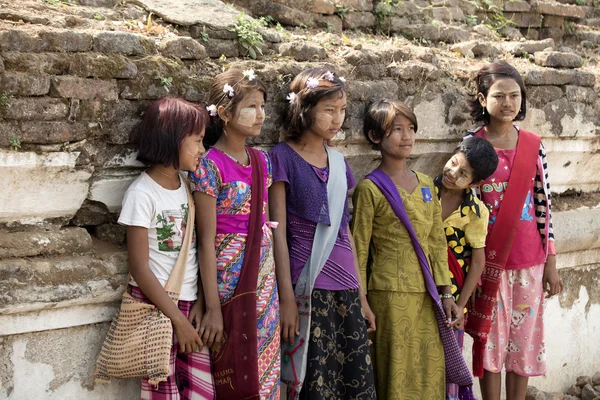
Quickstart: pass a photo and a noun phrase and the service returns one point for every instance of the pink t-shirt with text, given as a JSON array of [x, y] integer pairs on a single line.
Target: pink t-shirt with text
[[527, 249]]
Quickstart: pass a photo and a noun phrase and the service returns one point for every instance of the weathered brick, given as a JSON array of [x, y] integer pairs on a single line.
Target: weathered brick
[[17, 16], [97, 65], [358, 20], [529, 47], [580, 94], [583, 78], [303, 51], [556, 34], [554, 8], [18, 40], [448, 14], [323, 7], [215, 48], [65, 41], [558, 59], [360, 5], [453, 34], [539, 96], [123, 42], [549, 76], [30, 244], [20, 84], [82, 88], [553, 21], [591, 36], [184, 48], [198, 31], [36, 108], [37, 63], [52, 132], [516, 6], [525, 20]]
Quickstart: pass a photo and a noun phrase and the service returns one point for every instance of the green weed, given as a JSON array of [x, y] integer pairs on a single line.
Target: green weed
[[248, 35]]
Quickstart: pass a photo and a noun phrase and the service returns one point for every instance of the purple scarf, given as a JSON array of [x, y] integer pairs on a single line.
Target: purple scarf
[[456, 369]]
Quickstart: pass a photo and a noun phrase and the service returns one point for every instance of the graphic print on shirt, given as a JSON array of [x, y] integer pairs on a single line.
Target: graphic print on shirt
[[171, 229], [527, 214]]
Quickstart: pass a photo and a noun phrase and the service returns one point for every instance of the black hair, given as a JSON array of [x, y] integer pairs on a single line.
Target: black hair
[[166, 123], [241, 86], [481, 155], [306, 98], [380, 116], [485, 78]]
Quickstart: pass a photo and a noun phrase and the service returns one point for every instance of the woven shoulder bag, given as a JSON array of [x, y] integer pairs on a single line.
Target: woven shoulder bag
[[138, 342]]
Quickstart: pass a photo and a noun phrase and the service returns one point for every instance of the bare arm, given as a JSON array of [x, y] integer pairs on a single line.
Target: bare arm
[[475, 271], [369, 315], [137, 247], [290, 323], [211, 328]]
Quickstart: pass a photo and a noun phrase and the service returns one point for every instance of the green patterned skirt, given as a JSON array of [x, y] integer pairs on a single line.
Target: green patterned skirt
[[407, 348]]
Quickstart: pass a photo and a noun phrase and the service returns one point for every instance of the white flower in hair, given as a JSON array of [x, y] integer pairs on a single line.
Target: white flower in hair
[[228, 88], [249, 73], [329, 76], [341, 78], [212, 110], [291, 97], [312, 83]]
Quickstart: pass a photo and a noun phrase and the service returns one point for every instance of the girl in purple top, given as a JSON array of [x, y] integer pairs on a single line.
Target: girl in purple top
[[338, 363]]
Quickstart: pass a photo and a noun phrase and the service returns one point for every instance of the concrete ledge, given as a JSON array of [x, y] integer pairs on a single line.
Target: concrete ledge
[[42, 186]]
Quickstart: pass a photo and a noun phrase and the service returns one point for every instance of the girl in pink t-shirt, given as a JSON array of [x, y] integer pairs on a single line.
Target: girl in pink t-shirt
[[516, 339]]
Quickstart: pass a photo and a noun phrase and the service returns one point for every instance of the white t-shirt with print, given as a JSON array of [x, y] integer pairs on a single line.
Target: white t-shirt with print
[[164, 213]]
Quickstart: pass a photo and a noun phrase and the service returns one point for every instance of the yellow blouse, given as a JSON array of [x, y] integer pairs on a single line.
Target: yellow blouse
[[386, 257]]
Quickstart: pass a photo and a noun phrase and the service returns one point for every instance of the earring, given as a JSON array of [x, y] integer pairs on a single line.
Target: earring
[[483, 111]]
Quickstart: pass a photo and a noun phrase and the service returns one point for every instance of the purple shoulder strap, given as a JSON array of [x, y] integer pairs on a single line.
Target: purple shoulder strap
[[456, 368]]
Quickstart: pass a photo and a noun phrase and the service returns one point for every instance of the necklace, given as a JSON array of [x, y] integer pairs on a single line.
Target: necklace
[[167, 175]]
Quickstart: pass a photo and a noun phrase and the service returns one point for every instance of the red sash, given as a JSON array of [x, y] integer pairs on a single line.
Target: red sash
[[456, 269], [499, 243], [235, 360]]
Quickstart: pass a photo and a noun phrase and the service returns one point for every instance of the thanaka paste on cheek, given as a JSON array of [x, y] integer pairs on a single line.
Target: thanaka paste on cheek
[[247, 117], [462, 182], [323, 121]]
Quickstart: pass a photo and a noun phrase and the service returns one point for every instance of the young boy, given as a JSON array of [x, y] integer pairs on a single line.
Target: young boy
[[465, 220]]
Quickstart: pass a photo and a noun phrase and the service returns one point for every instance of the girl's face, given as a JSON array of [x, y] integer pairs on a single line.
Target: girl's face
[[503, 101], [328, 116], [190, 150], [399, 141], [249, 115], [458, 173]]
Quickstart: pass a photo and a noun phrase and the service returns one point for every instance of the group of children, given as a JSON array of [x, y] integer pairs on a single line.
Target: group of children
[[283, 284]]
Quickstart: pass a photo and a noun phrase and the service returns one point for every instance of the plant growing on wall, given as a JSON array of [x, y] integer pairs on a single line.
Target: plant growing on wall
[[248, 35], [493, 10], [14, 143], [5, 99]]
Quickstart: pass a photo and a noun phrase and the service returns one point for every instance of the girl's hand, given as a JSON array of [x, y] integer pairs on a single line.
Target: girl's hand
[[290, 320], [473, 297], [369, 315], [196, 314], [456, 318], [211, 328], [551, 281], [187, 337]]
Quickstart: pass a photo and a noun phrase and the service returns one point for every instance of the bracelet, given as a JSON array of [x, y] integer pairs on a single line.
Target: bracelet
[[448, 296]]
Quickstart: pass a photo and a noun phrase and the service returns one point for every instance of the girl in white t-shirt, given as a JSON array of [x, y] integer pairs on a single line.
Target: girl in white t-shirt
[[155, 213]]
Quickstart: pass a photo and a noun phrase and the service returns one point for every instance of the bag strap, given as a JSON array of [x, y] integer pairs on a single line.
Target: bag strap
[[250, 265], [175, 280]]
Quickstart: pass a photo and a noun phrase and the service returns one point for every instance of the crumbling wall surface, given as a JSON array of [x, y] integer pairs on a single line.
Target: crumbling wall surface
[[75, 77]]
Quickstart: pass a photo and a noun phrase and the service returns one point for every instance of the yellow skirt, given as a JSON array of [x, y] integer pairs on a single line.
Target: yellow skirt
[[407, 348]]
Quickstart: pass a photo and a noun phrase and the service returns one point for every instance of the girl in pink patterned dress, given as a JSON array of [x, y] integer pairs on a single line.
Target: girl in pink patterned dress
[[222, 191]]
